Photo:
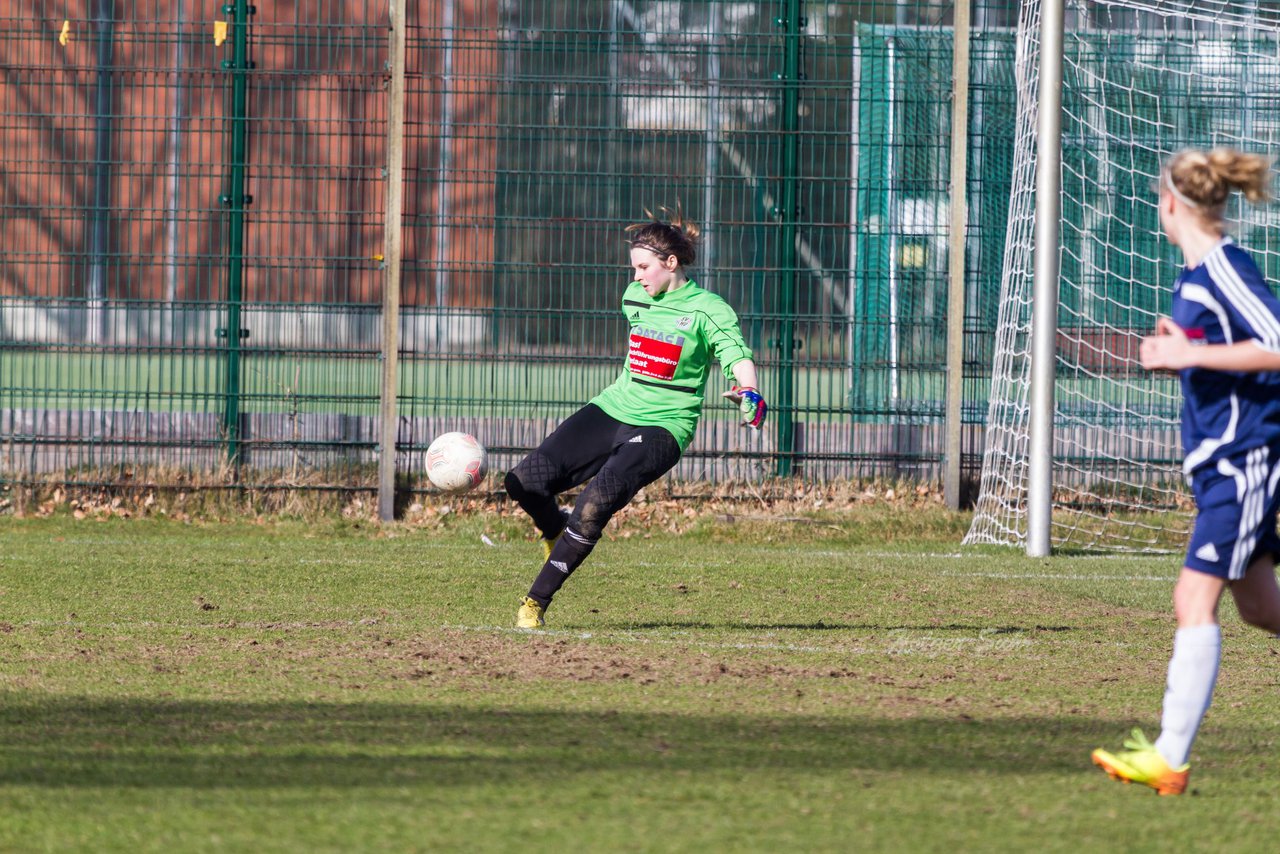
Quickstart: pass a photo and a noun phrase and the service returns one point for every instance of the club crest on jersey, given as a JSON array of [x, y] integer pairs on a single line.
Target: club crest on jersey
[[684, 322]]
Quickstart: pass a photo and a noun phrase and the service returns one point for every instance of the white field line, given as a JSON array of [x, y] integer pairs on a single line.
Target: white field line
[[1108, 558], [1009, 576], [470, 547], [1058, 576]]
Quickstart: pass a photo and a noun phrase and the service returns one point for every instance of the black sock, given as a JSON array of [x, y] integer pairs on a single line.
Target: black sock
[[567, 555], [551, 533]]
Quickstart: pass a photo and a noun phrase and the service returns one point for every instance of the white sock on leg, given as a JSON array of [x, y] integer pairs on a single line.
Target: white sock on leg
[[1193, 670]]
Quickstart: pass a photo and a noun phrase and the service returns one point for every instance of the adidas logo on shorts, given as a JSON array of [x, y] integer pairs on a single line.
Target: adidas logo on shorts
[[1207, 552]]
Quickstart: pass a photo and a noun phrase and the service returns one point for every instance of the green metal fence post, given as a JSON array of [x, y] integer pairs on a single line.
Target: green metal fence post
[[868, 392], [792, 24], [235, 200]]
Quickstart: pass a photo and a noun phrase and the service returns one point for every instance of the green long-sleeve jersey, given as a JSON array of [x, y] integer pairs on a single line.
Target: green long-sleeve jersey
[[674, 336]]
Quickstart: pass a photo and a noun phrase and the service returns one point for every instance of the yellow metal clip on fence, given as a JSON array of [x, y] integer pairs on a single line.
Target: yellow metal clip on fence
[[219, 32], [65, 35]]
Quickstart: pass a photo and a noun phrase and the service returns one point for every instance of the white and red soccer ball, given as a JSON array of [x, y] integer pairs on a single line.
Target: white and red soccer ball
[[456, 462]]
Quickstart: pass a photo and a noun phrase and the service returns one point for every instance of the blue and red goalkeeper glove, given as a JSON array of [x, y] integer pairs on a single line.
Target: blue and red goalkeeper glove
[[751, 405]]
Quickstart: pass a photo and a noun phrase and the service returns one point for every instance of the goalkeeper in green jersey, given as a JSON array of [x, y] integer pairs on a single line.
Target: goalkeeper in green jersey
[[634, 431]]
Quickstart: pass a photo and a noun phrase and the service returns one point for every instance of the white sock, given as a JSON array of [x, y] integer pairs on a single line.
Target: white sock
[[1193, 670]]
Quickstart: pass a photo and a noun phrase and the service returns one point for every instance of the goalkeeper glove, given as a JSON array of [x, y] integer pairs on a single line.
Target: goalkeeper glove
[[751, 405]]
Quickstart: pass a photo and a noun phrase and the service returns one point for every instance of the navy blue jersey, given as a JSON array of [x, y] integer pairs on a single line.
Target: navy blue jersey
[[1225, 300]]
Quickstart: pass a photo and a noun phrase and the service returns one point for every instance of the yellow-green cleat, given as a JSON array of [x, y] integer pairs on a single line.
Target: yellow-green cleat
[[530, 615], [1141, 763]]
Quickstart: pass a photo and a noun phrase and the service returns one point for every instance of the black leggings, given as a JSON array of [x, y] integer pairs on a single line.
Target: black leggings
[[619, 460]]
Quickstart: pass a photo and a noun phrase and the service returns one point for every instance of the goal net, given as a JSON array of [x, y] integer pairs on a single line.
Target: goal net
[[1141, 80]]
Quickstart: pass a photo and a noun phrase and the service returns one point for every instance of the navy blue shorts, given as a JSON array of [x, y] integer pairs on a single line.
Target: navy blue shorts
[[1236, 504]]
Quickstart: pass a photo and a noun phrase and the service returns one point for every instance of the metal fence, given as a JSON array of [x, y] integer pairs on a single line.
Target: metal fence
[[192, 209]]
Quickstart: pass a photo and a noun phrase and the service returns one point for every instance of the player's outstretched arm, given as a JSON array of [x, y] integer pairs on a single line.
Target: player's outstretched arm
[[1170, 350]]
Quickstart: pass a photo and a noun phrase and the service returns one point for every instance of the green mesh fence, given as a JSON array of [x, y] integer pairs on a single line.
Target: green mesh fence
[[192, 208]]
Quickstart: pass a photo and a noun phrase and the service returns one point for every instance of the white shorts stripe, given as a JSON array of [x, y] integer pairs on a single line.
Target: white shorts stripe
[[1254, 481]]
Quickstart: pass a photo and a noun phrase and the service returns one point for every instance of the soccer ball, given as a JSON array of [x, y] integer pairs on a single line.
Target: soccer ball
[[456, 462]]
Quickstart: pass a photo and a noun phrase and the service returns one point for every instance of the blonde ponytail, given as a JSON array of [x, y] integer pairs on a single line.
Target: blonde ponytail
[[1207, 178]]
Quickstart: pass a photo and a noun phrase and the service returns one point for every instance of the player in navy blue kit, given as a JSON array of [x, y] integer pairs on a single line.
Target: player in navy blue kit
[[1223, 339]]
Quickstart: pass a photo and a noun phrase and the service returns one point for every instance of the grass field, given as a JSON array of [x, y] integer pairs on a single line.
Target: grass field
[[858, 684]]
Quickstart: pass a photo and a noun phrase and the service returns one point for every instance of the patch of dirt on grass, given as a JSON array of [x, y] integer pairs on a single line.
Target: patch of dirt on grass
[[462, 656]]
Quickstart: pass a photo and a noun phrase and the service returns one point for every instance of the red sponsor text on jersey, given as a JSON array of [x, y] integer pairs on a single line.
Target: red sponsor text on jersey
[[650, 357]]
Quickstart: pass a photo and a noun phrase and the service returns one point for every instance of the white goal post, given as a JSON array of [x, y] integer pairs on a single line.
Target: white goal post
[[1082, 445]]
